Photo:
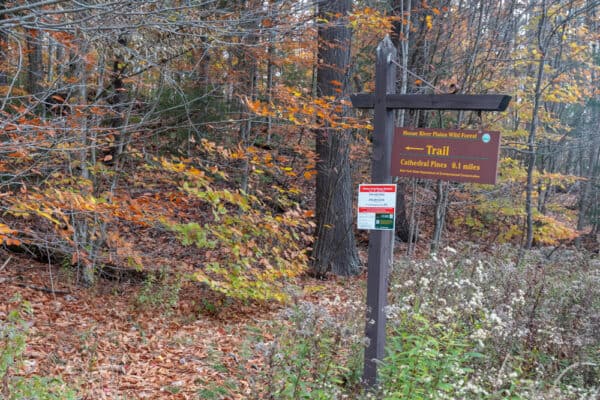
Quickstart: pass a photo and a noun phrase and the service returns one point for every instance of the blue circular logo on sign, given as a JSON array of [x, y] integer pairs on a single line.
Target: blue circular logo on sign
[[486, 138]]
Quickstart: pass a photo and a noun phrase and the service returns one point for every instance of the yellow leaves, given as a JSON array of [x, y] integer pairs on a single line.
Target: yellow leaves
[[578, 48], [370, 23], [249, 254], [25, 209], [175, 167], [512, 233], [196, 173], [512, 170], [238, 154], [292, 118], [565, 93], [550, 231], [429, 22], [290, 173]]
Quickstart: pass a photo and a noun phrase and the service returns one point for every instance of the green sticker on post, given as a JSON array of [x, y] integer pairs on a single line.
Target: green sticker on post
[[384, 221]]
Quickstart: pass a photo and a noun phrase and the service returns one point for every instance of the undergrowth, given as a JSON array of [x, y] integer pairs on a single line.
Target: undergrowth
[[160, 291], [461, 325], [249, 252]]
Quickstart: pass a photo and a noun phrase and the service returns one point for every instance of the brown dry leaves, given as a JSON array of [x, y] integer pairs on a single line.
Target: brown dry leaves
[[103, 346]]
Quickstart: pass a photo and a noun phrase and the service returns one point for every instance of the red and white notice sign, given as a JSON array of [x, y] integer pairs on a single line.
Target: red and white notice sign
[[376, 206]]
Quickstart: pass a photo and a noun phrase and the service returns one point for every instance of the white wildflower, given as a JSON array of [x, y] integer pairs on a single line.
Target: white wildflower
[[450, 249]]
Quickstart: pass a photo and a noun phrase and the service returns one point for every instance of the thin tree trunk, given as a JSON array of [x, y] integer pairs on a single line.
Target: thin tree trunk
[[82, 75], [270, 73], [586, 206], [3, 50], [248, 88], [401, 36], [81, 224], [441, 203], [532, 131], [35, 67], [51, 61]]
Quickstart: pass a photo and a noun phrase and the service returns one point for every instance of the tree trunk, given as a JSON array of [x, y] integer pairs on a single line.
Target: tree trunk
[[401, 36], [35, 67], [3, 50], [589, 162], [118, 100], [441, 202], [402, 225], [335, 248], [532, 132]]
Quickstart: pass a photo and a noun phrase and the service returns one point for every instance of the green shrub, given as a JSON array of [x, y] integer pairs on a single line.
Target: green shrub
[[426, 360]]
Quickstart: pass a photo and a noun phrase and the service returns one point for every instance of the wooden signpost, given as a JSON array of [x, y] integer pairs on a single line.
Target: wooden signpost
[[384, 101]]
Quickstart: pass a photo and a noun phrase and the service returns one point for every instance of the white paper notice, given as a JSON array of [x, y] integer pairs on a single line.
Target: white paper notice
[[376, 206]]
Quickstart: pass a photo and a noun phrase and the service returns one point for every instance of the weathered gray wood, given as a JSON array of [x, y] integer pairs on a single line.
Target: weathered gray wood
[[380, 242], [478, 102]]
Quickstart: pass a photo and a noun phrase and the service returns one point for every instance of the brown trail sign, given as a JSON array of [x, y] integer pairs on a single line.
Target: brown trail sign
[[448, 154], [384, 101]]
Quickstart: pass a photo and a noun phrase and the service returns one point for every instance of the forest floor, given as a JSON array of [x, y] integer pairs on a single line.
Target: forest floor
[[132, 337], [107, 342]]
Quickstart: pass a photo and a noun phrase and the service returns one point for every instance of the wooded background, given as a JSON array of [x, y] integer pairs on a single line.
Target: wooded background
[[131, 128]]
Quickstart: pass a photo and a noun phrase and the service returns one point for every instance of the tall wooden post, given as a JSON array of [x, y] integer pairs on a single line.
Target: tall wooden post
[[380, 241], [385, 101]]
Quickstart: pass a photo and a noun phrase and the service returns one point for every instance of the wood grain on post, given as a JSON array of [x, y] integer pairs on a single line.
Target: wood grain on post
[[380, 241]]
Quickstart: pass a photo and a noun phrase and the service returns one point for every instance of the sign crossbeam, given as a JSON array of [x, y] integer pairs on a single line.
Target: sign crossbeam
[[465, 102], [384, 101]]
